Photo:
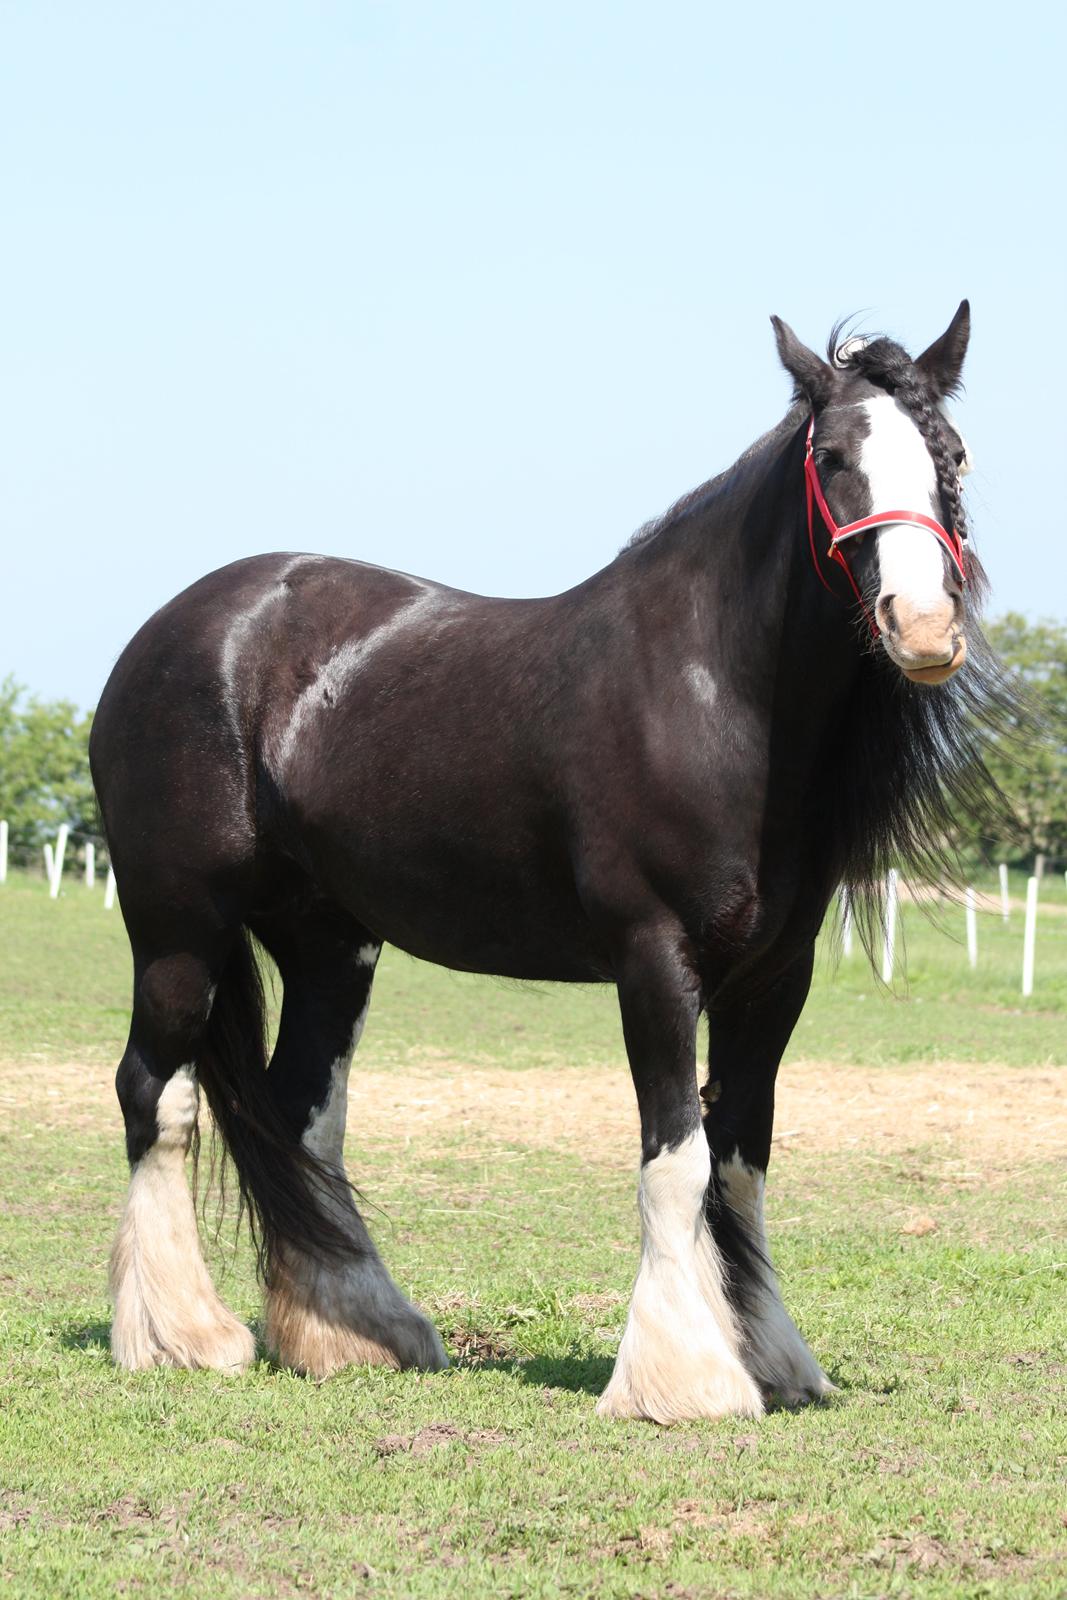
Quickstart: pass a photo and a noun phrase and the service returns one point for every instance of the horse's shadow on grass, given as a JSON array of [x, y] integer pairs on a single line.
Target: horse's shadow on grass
[[574, 1372], [94, 1337]]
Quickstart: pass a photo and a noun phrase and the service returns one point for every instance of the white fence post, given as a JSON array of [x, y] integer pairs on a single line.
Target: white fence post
[[972, 928], [889, 947], [60, 852], [90, 865], [3, 852], [49, 862], [1005, 909], [109, 889], [1029, 937]]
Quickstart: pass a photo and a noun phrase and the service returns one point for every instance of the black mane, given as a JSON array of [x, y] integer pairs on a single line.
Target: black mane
[[910, 765], [735, 480]]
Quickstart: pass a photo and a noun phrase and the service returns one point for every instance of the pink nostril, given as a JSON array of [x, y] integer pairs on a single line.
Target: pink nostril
[[887, 620]]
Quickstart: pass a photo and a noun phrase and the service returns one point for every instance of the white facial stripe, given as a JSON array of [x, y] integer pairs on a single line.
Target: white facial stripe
[[901, 477], [895, 460], [910, 564]]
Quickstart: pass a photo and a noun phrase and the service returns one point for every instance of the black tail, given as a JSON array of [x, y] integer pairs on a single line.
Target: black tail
[[286, 1191]]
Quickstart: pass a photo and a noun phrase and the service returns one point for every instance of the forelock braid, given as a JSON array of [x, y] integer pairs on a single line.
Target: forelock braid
[[885, 363], [915, 398]]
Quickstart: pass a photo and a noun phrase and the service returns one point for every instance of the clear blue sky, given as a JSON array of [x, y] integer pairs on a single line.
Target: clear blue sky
[[475, 289]]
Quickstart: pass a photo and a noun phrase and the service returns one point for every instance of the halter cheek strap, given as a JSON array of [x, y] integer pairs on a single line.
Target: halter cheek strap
[[815, 497]]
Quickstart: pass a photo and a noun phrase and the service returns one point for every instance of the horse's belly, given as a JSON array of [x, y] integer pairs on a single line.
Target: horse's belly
[[475, 910]]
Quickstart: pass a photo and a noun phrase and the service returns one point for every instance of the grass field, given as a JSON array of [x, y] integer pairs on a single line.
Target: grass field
[[917, 1211]]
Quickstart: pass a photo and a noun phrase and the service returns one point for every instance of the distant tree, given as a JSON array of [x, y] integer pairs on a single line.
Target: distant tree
[[44, 769], [1032, 771]]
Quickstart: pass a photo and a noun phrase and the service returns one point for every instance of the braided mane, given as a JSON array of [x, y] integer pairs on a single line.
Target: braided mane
[[888, 365]]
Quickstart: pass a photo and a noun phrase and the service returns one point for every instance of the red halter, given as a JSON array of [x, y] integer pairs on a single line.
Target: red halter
[[815, 496]]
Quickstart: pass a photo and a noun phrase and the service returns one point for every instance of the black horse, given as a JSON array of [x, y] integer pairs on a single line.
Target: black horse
[[656, 780]]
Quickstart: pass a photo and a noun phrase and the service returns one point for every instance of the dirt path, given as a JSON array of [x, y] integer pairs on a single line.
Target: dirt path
[[997, 1117]]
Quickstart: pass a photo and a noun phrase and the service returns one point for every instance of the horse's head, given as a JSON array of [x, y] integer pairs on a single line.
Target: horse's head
[[882, 443]]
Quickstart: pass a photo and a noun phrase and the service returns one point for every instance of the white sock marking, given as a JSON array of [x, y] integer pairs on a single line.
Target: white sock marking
[[679, 1354], [166, 1310]]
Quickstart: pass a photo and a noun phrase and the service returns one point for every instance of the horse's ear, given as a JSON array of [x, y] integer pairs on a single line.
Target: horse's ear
[[942, 363], [813, 378]]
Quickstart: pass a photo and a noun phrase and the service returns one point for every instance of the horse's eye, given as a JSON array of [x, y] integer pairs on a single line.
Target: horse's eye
[[829, 460]]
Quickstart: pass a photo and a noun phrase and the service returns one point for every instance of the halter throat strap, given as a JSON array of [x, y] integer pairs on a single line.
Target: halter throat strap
[[849, 530]]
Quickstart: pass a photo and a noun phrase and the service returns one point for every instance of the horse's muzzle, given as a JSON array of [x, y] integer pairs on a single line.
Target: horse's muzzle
[[929, 645]]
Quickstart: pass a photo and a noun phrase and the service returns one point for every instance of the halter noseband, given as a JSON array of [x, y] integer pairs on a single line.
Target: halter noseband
[[815, 496]]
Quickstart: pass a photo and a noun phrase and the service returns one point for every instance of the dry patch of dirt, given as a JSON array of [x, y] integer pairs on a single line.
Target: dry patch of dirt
[[997, 1117], [434, 1435], [994, 1117]]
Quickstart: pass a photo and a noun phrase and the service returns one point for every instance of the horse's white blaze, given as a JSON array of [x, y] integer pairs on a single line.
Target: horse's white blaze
[[322, 1316], [166, 1310], [774, 1351], [679, 1355], [901, 477]]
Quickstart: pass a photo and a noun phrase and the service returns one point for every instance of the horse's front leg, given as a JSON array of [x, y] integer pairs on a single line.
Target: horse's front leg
[[679, 1356], [746, 1045]]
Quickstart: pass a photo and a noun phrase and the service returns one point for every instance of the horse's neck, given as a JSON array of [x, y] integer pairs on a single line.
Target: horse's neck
[[725, 597], [731, 570]]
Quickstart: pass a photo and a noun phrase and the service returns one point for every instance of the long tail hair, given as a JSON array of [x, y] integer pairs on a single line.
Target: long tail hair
[[289, 1196]]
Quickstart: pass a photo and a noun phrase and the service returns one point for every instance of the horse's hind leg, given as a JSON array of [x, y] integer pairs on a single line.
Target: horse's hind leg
[[166, 1309], [746, 1045], [325, 1312]]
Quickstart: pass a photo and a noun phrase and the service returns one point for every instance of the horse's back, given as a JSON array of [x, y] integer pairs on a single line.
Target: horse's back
[[287, 697], [206, 681]]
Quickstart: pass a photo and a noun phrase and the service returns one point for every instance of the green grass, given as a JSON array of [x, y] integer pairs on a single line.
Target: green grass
[[936, 1472], [65, 979], [938, 1469]]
